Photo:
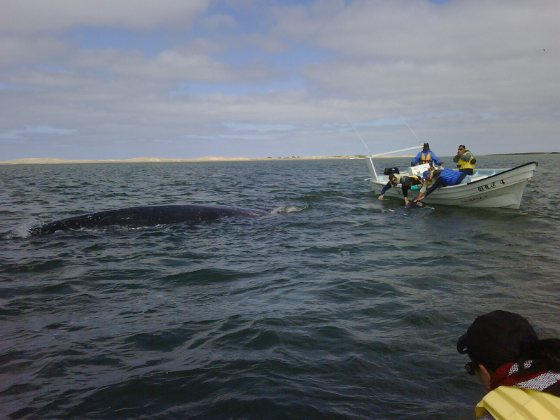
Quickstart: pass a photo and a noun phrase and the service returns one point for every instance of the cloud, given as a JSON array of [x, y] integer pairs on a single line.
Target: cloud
[[473, 70], [28, 50], [219, 22], [27, 131], [260, 127], [58, 15], [477, 55], [420, 30]]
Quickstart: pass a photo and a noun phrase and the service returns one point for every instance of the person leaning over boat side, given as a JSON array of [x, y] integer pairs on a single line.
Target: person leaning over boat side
[[406, 182], [425, 156], [441, 178], [520, 372], [394, 180], [465, 160], [428, 181]]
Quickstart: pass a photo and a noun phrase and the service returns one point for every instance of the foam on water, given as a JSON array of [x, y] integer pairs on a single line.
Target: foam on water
[[289, 208]]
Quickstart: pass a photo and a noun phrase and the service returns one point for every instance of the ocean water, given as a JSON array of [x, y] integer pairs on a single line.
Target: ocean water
[[335, 305]]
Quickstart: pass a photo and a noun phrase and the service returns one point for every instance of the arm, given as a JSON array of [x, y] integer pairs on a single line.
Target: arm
[[467, 156], [436, 160], [385, 188], [422, 192], [405, 189], [430, 190], [438, 183], [416, 160]]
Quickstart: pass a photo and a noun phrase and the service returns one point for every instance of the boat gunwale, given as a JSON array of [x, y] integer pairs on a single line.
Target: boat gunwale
[[498, 174], [483, 179]]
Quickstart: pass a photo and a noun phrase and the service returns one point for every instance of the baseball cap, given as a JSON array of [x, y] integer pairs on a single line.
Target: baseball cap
[[496, 338]]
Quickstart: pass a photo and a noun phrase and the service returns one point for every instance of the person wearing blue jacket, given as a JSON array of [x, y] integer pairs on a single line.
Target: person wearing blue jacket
[[425, 156], [441, 178]]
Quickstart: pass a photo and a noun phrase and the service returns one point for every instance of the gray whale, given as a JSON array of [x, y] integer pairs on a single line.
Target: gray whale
[[146, 216]]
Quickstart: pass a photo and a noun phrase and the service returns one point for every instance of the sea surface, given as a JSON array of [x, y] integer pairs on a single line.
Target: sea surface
[[335, 305]]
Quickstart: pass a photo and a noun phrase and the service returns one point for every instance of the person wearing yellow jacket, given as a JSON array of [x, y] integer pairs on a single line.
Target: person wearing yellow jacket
[[465, 160], [520, 371]]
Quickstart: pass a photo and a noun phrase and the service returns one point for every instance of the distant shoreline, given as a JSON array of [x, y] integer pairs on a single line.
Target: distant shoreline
[[55, 161], [525, 153]]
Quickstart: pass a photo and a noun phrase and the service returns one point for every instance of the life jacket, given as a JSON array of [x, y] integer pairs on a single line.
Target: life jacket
[[508, 402], [426, 157], [449, 176], [464, 164]]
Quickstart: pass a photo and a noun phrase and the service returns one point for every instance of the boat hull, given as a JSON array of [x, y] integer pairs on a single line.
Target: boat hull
[[502, 189]]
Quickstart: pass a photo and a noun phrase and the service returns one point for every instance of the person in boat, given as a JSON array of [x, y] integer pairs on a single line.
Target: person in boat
[[425, 156], [440, 178], [465, 160], [428, 181], [520, 372], [406, 181]]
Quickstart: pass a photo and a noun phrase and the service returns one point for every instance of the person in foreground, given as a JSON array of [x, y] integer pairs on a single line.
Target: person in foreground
[[520, 371], [425, 156], [406, 184], [465, 160], [440, 178]]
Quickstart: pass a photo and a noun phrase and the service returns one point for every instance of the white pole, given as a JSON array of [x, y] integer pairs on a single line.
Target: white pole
[[395, 151], [371, 156], [369, 161], [410, 128], [361, 139], [372, 167]]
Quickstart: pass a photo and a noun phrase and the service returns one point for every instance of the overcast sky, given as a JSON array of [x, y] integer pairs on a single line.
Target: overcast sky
[[112, 79]]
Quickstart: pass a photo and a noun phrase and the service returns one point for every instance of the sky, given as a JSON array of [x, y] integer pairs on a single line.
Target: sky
[[118, 79]]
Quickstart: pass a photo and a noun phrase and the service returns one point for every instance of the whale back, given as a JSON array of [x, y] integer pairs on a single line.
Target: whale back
[[146, 216]]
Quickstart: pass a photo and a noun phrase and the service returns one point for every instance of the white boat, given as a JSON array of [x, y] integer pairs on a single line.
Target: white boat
[[501, 188]]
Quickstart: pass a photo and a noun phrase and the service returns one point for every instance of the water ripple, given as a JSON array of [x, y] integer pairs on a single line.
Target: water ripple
[[334, 305]]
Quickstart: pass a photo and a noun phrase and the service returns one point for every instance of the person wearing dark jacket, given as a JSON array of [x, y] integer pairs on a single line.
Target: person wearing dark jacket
[[520, 372], [406, 184]]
